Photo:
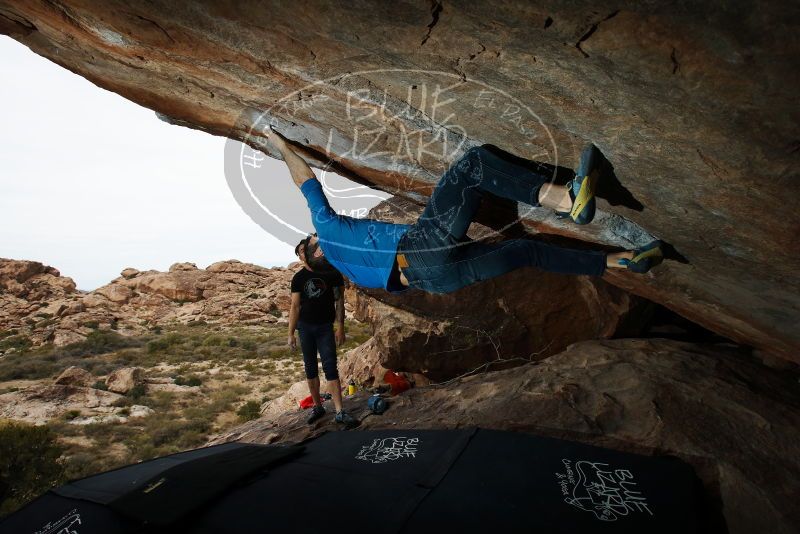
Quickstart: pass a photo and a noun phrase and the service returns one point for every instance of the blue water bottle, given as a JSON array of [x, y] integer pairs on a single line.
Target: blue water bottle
[[376, 404]]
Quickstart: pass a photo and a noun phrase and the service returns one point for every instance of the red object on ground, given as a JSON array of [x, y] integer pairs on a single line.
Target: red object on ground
[[398, 383], [306, 403]]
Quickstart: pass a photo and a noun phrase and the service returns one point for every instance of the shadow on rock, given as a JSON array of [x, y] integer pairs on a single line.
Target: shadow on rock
[[612, 190]]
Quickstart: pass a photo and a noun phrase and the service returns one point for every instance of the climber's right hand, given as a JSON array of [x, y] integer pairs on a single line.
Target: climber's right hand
[[276, 139]]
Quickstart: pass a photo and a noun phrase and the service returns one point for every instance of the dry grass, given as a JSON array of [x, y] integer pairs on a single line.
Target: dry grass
[[236, 370]]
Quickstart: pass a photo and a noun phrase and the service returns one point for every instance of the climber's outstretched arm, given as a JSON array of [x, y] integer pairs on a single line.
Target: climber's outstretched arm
[[299, 169], [303, 176]]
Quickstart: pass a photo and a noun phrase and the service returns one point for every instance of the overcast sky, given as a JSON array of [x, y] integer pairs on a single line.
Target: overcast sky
[[91, 183]]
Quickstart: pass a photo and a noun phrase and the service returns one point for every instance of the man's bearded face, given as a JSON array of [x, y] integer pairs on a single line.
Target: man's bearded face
[[315, 257]]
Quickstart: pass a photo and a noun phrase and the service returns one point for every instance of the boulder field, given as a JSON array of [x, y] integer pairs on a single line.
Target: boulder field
[[41, 306]]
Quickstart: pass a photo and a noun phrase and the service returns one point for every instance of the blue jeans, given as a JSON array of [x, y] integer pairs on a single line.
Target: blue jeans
[[318, 338], [441, 258]]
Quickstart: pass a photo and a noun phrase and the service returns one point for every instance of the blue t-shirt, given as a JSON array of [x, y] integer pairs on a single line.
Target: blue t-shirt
[[364, 250]]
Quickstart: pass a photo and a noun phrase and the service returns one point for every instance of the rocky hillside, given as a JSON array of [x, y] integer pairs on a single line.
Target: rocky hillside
[[693, 103], [38, 305]]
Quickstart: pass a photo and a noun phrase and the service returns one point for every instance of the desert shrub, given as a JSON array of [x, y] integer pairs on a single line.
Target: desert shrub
[[183, 369], [99, 342], [127, 356], [213, 340], [72, 414], [84, 463], [29, 464], [18, 341], [100, 367], [188, 381], [61, 428], [159, 400], [174, 338], [251, 368], [137, 392], [166, 343], [222, 400], [249, 410], [45, 323], [91, 324], [239, 355], [32, 365], [7, 333], [198, 412], [102, 433], [166, 429], [100, 385], [156, 345], [122, 401]]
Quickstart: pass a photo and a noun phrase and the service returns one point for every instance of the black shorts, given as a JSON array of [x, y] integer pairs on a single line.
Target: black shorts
[[318, 338]]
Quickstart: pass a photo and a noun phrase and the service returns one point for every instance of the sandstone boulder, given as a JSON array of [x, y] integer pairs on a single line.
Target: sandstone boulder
[[72, 308], [177, 285], [33, 299], [184, 266], [33, 281], [19, 271], [75, 376], [363, 364], [116, 293], [65, 337], [39, 404], [237, 267], [653, 85], [95, 300], [124, 380], [119, 415], [129, 273], [138, 410]]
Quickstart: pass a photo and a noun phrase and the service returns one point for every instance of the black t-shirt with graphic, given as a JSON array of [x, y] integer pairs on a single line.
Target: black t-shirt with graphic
[[316, 295]]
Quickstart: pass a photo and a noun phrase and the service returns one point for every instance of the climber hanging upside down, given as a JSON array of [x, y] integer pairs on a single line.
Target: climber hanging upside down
[[434, 254]]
